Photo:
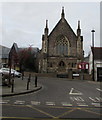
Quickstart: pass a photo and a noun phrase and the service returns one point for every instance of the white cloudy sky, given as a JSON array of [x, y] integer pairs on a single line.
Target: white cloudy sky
[[24, 22]]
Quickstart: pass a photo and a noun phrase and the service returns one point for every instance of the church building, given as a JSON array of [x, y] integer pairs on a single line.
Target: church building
[[62, 49]]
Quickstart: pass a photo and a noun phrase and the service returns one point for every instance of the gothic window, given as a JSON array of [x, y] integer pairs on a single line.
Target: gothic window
[[62, 44]]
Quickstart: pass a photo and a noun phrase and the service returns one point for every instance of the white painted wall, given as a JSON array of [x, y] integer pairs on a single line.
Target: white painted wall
[[97, 63]]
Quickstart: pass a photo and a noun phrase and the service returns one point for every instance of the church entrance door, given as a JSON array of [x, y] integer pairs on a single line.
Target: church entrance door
[[61, 67]]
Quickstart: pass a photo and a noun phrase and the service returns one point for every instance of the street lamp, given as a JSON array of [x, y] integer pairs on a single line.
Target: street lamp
[[93, 54], [10, 64]]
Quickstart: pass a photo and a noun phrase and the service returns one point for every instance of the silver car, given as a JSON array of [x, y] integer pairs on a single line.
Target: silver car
[[7, 70]]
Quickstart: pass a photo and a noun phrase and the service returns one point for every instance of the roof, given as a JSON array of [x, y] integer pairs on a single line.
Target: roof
[[64, 23], [14, 47], [33, 49], [97, 52], [4, 51]]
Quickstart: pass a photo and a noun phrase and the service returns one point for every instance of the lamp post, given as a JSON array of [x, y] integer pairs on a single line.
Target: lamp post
[[10, 64], [93, 54]]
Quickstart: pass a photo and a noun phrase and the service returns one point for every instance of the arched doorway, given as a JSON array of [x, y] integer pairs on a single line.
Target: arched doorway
[[61, 67], [61, 64], [62, 70]]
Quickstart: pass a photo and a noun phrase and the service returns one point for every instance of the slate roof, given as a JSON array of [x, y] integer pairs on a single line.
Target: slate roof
[[4, 51], [97, 53], [34, 49], [14, 47]]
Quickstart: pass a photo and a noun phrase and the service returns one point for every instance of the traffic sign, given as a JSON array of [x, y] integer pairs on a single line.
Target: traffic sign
[[83, 65]]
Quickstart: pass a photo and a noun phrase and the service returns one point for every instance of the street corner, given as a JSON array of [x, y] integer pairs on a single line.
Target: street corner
[[21, 92]]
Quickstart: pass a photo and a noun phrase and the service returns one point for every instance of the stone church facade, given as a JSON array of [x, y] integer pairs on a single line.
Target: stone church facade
[[62, 49]]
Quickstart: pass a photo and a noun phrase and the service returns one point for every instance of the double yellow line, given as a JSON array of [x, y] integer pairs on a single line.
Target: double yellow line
[[49, 115]]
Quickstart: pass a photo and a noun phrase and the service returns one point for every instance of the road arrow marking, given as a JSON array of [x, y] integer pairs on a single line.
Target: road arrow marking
[[74, 92]]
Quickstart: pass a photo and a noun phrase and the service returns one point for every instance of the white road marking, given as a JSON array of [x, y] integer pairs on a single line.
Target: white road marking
[[35, 103], [19, 102], [96, 99], [74, 92], [4, 101], [99, 89], [77, 99], [96, 104], [99, 99], [66, 104], [50, 103], [82, 104], [92, 99]]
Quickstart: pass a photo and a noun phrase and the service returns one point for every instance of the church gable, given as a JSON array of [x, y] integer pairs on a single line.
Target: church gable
[[62, 29]]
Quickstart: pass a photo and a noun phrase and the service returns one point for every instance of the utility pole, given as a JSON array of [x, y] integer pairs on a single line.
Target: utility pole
[[93, 77]]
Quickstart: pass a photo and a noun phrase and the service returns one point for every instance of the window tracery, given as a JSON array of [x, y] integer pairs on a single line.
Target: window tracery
[[62, 44]]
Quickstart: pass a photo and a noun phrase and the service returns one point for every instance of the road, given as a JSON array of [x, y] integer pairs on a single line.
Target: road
[[58, 98]]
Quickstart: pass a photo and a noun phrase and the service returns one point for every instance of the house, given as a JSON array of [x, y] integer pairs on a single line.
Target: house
[[4, 52], [13, 56], [17, 56], [97, 62]]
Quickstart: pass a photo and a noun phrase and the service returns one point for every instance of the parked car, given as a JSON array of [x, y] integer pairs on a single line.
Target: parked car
[[7, 70]]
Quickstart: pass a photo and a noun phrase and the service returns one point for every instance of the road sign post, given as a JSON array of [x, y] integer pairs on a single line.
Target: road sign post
[[83, 66]]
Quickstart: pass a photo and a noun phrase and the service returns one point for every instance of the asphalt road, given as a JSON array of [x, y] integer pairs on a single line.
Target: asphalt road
[[58, 98]]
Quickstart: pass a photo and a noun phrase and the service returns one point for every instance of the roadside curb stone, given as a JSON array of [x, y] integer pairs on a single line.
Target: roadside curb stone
[[20, 93]]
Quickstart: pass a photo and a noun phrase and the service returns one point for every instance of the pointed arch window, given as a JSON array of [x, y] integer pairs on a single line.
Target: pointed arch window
[[62, 45]]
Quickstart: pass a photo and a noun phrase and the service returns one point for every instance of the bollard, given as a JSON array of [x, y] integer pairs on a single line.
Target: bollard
[[12, 85], [82, 75], [28, 85], [12, 88], [35, 81], [28, 81], [22, 75]]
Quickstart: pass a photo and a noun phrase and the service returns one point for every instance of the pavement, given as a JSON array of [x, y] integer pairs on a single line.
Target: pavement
[[20, 87]]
